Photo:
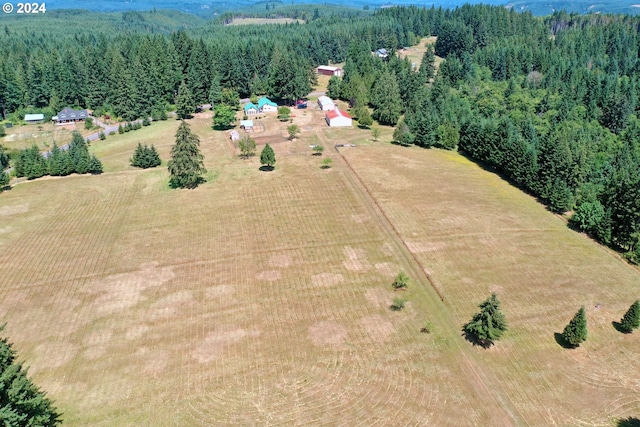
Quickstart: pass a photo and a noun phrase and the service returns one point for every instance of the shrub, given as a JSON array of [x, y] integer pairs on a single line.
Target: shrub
[[401, 282], [398, 304]]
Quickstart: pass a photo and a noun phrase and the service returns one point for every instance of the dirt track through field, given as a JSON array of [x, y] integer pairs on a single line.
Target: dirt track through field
[[498, 409]]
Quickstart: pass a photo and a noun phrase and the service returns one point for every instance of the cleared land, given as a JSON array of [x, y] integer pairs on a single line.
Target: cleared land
[[262, 21], [263, 298]]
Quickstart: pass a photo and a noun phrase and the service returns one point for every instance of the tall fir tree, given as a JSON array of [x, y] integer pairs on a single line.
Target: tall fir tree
[[576, 331], [385, 98], [631, 319], [489, 324], [186, 166], [185, 104], [22, 402]]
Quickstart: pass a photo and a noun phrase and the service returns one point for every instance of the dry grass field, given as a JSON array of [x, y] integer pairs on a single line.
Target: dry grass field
[[262, 298]]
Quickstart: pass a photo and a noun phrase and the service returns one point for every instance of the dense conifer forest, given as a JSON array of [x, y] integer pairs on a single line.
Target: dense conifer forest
[[549, 103]]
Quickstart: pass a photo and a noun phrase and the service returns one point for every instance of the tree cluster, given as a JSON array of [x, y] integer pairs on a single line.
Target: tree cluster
[[31, 163], [145, 157]]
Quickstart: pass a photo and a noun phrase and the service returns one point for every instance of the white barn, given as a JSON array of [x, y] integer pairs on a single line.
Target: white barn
[[338, 118], [326, 103]]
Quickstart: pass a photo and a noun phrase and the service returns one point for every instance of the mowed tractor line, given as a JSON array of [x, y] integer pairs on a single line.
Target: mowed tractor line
[[497, 409], [477, 235]]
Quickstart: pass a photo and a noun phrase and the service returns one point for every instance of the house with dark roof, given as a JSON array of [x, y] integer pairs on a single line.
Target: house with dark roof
[[69, 115]]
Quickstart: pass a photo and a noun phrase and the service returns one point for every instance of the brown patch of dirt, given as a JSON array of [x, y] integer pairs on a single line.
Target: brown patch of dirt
[[122, 291], [215, 342], [169, 305], [14, 210], [219, 290], [270, 275], [282, 261], [327, 279], [377, 327], [387, 249], [356, 259], [379, 297], [388, 269], [327, 333], [360, 218]]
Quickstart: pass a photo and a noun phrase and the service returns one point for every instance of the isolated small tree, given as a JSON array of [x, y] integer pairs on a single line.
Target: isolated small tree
[[223, 117], [401, 281], [318, 149], [3, 131], [284, 113], [187, 163], [120, 129], [267, 156], [489, 324], [23, 403], [293, 130], [576, 331], [247, 146], [402, 134], [102, 136], [631, 319], [364, 118], [398, 304], [326, 163], [375, 133]]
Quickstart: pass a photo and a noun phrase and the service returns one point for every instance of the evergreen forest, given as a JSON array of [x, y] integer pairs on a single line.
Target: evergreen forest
[[550, 103]]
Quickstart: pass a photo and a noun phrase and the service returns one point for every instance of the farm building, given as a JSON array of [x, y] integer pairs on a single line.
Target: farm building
[[247, 125], [69, 115], [33, 118], [338, 118], [329, 71], [251, 109], [265, 105], [234, 135], [325, 103], [382, 53]]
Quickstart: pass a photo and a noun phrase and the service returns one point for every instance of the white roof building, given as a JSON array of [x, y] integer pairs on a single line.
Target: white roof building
[[326, 103]]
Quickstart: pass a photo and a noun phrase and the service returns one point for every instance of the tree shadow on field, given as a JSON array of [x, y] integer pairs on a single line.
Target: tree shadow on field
[[562, 342], [629, 422], [619, 328], [475, 341], [266, 168]]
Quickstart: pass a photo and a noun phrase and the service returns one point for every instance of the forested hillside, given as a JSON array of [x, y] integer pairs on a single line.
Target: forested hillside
[[550, 104]]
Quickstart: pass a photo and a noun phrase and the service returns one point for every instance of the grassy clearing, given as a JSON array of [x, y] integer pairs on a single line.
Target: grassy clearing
[[263, 21], [415, 53], [263, 297]]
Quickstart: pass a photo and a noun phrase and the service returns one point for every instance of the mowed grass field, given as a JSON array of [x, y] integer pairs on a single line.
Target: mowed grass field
[[262, 298]]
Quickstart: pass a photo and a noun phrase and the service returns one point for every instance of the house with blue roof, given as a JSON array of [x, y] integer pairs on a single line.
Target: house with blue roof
[[251, 109], [265, 105]]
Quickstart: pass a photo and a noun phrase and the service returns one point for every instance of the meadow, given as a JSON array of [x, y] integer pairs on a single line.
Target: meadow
[[262, 298]]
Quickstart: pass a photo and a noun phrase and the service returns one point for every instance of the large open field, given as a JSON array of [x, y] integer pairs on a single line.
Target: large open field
[[262, 298]]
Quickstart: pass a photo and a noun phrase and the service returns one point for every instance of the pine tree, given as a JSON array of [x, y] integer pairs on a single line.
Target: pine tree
[[489, 324], [186, 165], [95, 166], [576, 331], [631, 319], [427, 66], [145, 157], [23, 403], [4, 180], [267, 156], [185, 104], [385, 97]]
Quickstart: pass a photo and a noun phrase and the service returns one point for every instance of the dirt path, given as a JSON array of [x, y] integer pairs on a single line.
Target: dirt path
[[498, 409]]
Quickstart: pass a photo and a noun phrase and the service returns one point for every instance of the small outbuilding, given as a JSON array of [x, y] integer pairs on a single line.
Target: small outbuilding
[[338, 118], [325, 103], [247, 125], [328, 70], [33, 118], [382, 53], [234, 135]]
